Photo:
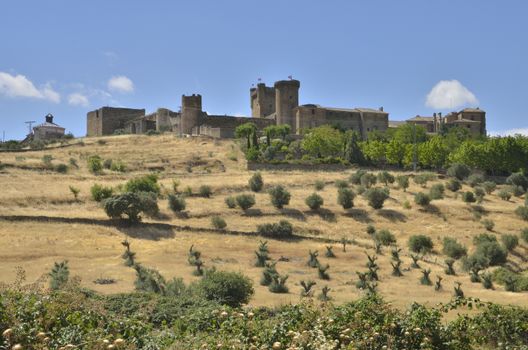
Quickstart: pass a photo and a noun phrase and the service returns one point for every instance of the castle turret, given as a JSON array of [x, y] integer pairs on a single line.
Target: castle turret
[[191, 112], [262, 100], [286, 99]]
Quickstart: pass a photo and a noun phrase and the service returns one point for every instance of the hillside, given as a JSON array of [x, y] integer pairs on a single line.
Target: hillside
[[41, 222]]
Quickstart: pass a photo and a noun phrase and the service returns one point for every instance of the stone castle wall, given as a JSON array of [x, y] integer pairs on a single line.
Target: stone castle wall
[[105, 120]]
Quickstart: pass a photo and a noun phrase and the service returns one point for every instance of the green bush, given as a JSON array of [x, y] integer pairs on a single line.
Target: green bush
[[61, 168], [517, 281], [436, 191], [100, 192], [282, 229], [488, 224], [479, 193], [403, 182], [131, 204], [420, 244], [245, 201], [341, 184], [256, 183], [509, 241], [385, 237], [459, 171], [453, 249], [95, 164], [468, 197], [475, 180], [314, 201], [385, 177], [59, 275], [492, 251], [371, 230], [376, 197], [522, 212], [229, 288], [518, 179], [279, 196], [356, 177], [319, 185], [107, 164], [422, 199], [504, 194], [230, 202], [517, 191], [484, 238], [423, 178], [205, 191], [524, 235], [489, 186], [453, 185], [177, 202], [345, 198], [118, 166], [218, 222], [368, 180], [147, 183]]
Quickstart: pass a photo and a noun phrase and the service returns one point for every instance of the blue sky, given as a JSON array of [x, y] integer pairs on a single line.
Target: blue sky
[[68, 57]]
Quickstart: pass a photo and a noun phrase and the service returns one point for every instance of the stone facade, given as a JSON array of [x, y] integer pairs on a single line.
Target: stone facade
[[262, 99], [106, 120], [472, 119], [48, 130]]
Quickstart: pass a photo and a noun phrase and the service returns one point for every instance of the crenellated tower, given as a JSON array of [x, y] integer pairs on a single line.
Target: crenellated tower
[[286, 99], [191, 112]]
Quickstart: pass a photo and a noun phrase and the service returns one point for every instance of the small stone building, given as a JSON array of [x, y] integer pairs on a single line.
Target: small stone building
[[472, 119], [48, 130]]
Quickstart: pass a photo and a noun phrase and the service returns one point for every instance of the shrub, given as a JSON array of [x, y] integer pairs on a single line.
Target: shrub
[[218, 222], [118, 166], [403, 182], [423, 178], [522, 212], [100, 192], [322, 271], [479, 193], [493, 252], [420, 244], [61, 168], [484, 238], [517, 191], [245, 201], [107, 164], [450, 270], [177, 202], [524, 235], [385, 237], [75, 192], [475, 180], [341, 184], [460, 171], [453, 185], [488, 224], [422, 199], [368, 180], [46, 160], [256, 183], [518, 179], [345, 198], [376, 197], [230, 202], [205, 191], [131, 205], [279, 196], [59, 275], [282, 229], [319, 185], [489, 186], [453, 249], [229, 288], [147, 183], [385, 177], [510, 242], [95, 164], [314, 201], [371, 230], [278, 284], [504, 194], [356, 177], [468, 197], [437, 191], [361, 189]]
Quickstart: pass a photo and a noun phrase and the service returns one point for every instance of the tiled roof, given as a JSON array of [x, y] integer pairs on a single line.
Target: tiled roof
[[420, 118]]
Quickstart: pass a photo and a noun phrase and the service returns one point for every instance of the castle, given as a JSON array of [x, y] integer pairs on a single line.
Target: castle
[[270, 105]]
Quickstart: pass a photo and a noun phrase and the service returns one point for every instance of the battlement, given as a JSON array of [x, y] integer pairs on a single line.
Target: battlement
[[291, 83]]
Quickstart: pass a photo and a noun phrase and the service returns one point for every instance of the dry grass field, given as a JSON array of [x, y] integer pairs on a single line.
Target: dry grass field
[[40, 223]]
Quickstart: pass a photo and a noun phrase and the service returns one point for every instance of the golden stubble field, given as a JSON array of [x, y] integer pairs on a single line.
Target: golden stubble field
[[41, 223]]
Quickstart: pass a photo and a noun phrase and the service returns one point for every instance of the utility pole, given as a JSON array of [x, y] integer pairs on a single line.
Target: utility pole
[[30, 123]]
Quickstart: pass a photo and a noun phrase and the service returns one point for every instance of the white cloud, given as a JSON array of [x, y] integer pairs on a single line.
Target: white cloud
[[450, 94], [120, 84], [20, 86], [78, 99], [510, 132]]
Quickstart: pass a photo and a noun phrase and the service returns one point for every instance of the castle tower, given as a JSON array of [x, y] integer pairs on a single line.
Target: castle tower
[[262, 100], [286, 99], [191, 112]]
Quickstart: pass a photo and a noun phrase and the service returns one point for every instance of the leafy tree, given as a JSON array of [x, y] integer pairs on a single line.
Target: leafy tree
[[273, 131], [384, 237], [314, 201], [459, 171], [434, 152], [256, 183], [229, 288], [453, 248], [407, 133], [246, 130], [245, 201], [422, 199], [323, 141], [376, 197], [518, 179], [420, 244], [395, 152], [345, 198], [375, 152], [403, 182], [131, 204], [59, 275], [353, 152], [147, 183]]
